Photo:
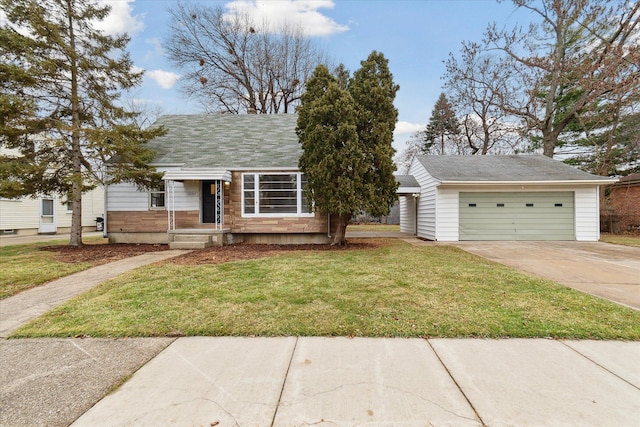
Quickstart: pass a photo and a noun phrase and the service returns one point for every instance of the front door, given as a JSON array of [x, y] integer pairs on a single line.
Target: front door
[[212, 209], [47, 215]]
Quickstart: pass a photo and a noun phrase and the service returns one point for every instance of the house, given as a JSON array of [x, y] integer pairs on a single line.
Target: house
[[623, 204], [226, 178], [528, 197], [47, 214]]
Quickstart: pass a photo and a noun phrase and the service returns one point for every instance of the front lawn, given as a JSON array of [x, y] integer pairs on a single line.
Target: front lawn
[[621, 239], [31, 265], [26, 266], [374, 227], [394, 290]]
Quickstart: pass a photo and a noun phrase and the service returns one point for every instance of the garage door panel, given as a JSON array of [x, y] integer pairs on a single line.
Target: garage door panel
[[517, 216]]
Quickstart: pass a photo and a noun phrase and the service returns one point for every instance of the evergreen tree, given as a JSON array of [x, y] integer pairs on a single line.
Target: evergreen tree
[[442, 129], [374, 91], [346, 137], [60, 82]]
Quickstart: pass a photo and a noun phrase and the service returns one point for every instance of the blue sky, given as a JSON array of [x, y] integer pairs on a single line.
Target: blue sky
[[415, 36]]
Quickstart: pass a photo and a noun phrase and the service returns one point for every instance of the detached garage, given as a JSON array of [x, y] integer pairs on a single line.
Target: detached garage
[[528, 197]]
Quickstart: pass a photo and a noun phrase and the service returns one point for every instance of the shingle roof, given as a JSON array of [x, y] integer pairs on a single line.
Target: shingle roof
[[503, 168], [228, 141], [406, 181]]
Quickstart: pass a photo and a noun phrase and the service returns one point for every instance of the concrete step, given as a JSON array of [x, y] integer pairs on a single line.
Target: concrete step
[[206, 238], [189, 245]]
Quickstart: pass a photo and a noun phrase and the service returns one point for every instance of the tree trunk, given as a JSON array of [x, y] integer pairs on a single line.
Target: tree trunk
[[549, 141], [339, 239], [76, 153]]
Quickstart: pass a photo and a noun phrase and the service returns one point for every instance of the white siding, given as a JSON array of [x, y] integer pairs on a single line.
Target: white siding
[[187, 195], [19, 214], [426, 203], [407, 214], [24, 213], [447, 216], [587, 214], [92, 207], [126, 197]]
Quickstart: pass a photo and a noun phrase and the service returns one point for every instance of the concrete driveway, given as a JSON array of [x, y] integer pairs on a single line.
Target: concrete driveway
[[602, 269]]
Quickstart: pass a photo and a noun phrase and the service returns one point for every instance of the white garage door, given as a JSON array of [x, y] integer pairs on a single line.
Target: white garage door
[[517, 216]]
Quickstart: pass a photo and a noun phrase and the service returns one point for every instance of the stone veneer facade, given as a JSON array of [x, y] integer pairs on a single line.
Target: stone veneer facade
[[267, 229]]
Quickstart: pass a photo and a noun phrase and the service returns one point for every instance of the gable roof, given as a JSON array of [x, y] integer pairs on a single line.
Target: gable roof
[[502, 169], [230, 141]]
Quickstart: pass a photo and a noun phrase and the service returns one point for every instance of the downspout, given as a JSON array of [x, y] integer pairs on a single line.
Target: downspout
[[104, 214], [329, 225], [415, 196]]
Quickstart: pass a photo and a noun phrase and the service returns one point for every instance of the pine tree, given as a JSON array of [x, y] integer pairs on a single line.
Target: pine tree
[[442, 129], [346, 137], [60, 82]]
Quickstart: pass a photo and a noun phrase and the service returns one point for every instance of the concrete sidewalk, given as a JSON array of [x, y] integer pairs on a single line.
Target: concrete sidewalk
[[367, 381], [289, 381]]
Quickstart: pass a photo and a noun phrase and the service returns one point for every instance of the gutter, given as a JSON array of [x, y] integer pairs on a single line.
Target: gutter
[[552, 183]]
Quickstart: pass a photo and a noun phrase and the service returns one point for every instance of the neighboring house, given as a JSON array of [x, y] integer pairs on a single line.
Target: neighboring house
[[227, 178], [47, 214], [528, 197], [624, 204]]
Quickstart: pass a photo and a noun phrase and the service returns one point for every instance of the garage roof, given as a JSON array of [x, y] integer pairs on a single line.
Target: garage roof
[[515, 168]]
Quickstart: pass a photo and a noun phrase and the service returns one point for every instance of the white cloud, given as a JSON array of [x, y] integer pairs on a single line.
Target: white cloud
[[304, 13], [156, 48], [164, 79], [120, 20], [404, 130]]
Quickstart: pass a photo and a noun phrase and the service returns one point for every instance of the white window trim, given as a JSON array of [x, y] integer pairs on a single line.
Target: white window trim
[[257, 214], [158, 208]]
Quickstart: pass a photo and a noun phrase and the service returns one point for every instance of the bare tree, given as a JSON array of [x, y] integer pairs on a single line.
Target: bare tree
[[577, 52], [235, 65], [473, 83]]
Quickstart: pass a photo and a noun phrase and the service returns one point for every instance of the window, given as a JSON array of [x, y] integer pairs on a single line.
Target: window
[[156, 197], [274, 194]]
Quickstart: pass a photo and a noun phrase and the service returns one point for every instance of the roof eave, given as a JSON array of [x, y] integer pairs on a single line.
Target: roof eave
[[549, 183]]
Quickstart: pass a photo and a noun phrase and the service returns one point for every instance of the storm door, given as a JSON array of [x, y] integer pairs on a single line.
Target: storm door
[[47, 215], [212, 202]]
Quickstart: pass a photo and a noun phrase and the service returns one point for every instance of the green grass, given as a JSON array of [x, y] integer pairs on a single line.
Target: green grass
[[26, 266], [394, 291], [621, 239], [374, 227]]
